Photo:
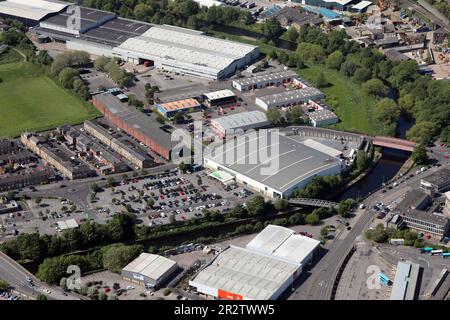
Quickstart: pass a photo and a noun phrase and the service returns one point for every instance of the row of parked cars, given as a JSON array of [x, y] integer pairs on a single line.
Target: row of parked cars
[[6, 295]]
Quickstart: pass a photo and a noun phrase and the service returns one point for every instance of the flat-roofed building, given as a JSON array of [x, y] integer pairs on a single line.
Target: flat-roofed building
[[270, 163], [410, 211], [88, 19], [135, 123], [67, 224], [447, 204], [438, 181], [289, 98], [362, 6], [239, 121], [220, 98], [149, 270], [30, 12], [320, 114], [405, 281], [263, 270], [169, 109], [264, 80], [187, 51]]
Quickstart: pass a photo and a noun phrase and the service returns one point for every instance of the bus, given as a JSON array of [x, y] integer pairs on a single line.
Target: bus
[[436, 252], [445, 255], [426, 250]]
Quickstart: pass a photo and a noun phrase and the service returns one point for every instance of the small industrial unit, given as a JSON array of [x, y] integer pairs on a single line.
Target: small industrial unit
[[149, 270]]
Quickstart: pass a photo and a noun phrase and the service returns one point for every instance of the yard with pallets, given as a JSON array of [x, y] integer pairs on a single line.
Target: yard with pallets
[[32, 101]]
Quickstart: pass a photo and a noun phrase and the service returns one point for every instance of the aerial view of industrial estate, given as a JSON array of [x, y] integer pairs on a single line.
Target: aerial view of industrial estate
[[212, 150]]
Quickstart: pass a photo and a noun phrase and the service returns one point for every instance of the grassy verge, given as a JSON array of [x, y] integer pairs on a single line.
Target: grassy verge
[[34, 102], [353, 107]]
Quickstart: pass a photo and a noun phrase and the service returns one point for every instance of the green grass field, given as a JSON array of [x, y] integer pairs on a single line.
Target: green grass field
[[33, 102], [353, 107]]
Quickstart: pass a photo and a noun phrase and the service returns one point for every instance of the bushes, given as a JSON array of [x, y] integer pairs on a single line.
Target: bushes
[[118, 256], [35, 247], [69, 59], [319, 186], [312, 218], [113, 258]]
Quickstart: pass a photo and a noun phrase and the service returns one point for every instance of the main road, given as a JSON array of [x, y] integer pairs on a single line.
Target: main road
[[16, 276], [318, 283]]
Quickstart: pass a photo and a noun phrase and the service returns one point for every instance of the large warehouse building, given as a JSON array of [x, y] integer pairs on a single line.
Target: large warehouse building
[[149, 270], [262, 270], [187, 51], [239, 121], [103, 33], [135, 123], [275, 170], [30, 12]]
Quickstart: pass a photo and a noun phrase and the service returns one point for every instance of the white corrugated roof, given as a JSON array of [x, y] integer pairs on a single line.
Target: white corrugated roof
[[362, 5], [54, 6], [67, 224], [283, 243], [219, 94], [188, 46], [268, 240], [209, 3], [245, 272], [296, 248], [150, 265], [31, 9], [242, 119], [322, 148]]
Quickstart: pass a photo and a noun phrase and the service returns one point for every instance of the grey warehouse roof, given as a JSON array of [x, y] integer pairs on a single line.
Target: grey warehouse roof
[[296, 161], [251, 274], [266, 77], [405, 281], [150, 265], [188, 46], [323, 114], [303, 93], [31, 9], [88, 17], [439, 178], [238, 120]]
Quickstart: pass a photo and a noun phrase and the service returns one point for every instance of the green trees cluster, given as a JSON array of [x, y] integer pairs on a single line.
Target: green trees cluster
[[36, 247], [64, 67], [113, 258], [380, 234], [3, 285], [319, 186], [110, 66], [69, 59], [115, 72]]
